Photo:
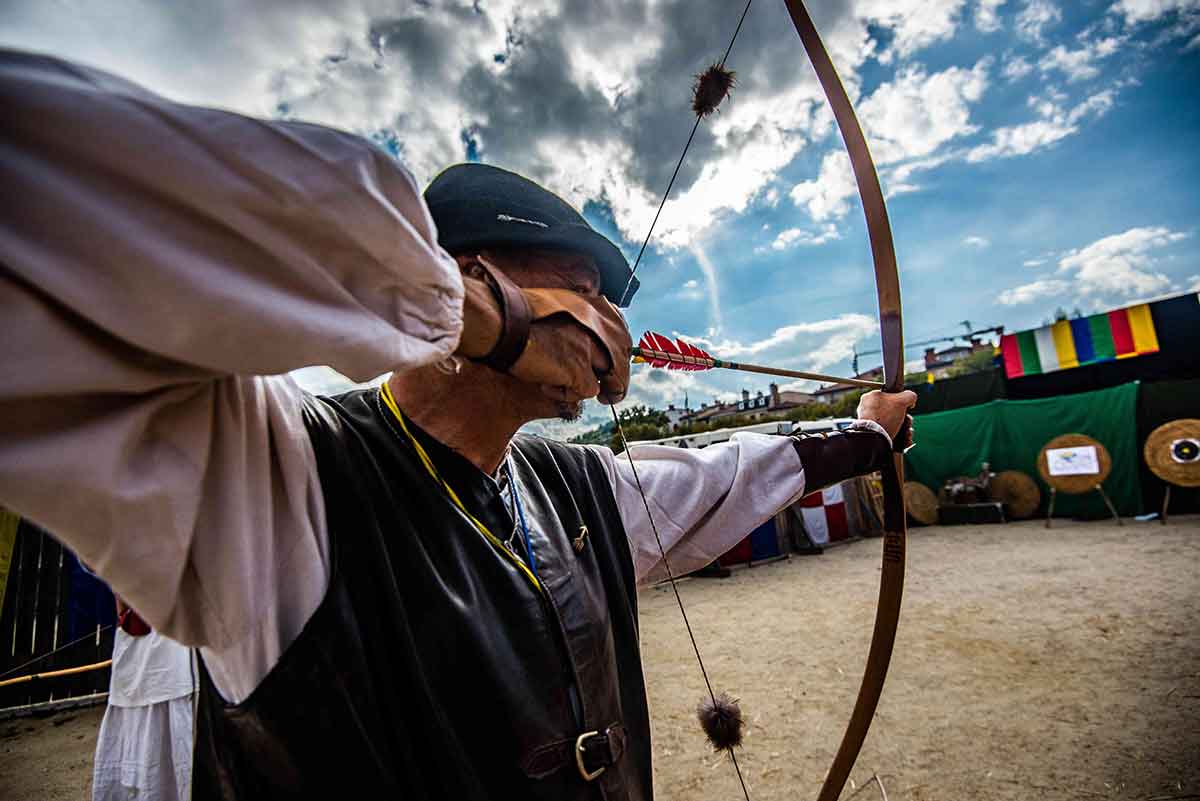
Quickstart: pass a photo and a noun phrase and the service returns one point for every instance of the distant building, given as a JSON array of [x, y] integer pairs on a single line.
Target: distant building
[[939, 362], [674, 415], [835, 392], [746, 410]]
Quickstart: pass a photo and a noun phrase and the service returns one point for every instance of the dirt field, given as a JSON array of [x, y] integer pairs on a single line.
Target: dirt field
[[1030, 664]]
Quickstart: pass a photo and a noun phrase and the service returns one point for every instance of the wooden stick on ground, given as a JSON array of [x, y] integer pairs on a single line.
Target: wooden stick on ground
[[56, 673]]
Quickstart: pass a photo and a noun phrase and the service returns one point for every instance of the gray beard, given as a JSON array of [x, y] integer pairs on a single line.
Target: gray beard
[[570, 412]]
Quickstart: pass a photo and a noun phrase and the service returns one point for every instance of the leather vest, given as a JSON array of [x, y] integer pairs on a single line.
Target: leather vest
[[434, 668]]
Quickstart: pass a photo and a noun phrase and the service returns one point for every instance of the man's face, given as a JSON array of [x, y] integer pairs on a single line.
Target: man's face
[[545, 269]]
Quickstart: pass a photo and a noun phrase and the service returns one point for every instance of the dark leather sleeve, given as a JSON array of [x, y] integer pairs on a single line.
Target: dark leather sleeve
[[839, 455]]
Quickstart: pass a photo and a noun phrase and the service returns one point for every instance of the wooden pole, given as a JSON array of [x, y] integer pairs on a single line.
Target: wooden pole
[[56, 673]]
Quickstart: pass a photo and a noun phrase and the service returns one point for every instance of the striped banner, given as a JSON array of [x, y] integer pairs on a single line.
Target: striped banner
[[1118, 334]]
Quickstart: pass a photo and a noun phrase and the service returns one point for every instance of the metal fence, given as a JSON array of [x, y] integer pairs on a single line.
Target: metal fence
[[54, 616]]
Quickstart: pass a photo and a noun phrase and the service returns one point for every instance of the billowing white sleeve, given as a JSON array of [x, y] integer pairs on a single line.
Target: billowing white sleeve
[[157, 262], [704, 501]]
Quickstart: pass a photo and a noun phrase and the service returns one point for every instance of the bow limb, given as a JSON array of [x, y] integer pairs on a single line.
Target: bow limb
[[887, 283]]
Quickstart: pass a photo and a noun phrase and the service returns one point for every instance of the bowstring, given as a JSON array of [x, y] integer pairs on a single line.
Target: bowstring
[[674, 588], [621, 432], [678, 165]]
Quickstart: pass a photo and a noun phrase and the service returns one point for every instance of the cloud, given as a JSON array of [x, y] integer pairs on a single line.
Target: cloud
[[914, 24], [591, 99], [817, 345], [716, 320], [798, 236], [691, 290], [1121, 264], [987, 17], [1015, 68], [322, 380], [1057, 123], [1035, 290], [1079, 64], [1033, 262], [828, 195], [1113, 268], [916, 113], [906, 121], [1138, 11], [1035, 17], [1193, 283], [976, 242]]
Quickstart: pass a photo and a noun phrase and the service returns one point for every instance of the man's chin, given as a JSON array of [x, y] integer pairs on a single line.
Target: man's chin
[[570, 412]]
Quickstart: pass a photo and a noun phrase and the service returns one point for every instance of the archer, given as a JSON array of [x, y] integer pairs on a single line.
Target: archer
[[391, 584]]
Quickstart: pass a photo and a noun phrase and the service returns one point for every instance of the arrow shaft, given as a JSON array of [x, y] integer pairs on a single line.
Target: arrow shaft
[[677, 358]]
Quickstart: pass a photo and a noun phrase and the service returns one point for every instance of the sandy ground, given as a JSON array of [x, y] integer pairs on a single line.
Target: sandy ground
[[1030, 664]]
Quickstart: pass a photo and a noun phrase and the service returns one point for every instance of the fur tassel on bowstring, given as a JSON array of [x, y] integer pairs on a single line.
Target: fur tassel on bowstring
[[721, 719], [711, 88]]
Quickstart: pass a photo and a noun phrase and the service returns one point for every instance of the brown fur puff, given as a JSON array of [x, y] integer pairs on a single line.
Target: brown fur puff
[[711, 87], [721, 719]]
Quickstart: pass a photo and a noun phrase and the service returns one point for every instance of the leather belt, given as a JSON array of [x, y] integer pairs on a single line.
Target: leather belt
[[592, 753], [597, 751]]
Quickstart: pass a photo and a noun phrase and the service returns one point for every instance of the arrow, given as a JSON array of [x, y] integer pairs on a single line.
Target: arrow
[[658, 350]]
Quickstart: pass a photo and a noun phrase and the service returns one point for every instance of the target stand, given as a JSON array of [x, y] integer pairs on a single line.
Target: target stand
[[1075, 464], [1172, 452]]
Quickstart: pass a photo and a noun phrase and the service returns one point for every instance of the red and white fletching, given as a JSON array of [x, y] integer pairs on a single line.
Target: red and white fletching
[[674, 355]]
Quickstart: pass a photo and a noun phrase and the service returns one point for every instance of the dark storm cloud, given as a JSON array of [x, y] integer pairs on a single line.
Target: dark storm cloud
[[536, 95], [427, 43], [530, 99], [525, 85]]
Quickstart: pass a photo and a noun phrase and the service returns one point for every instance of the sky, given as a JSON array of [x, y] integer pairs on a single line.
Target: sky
[[1036, 155]]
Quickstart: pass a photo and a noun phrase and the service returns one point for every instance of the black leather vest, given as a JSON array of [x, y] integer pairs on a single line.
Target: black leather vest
[[433, 668]]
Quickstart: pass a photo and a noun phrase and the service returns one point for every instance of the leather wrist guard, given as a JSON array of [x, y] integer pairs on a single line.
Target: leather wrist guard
[[838, 455], [515, 316]]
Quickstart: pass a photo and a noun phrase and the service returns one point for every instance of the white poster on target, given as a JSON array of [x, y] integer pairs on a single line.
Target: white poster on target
[[1081, 460]]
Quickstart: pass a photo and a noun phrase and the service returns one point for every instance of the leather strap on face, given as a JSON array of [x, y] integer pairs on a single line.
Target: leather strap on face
[[600, 318], [515, 315]]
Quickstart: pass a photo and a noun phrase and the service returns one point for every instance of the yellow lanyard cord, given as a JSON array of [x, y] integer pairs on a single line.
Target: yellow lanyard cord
[[386, 393]]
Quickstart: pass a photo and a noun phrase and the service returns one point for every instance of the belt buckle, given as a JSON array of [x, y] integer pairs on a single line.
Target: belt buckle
[[583, 771]]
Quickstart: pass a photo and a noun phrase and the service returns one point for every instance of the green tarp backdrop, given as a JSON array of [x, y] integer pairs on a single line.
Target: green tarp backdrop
[[1009, 435]]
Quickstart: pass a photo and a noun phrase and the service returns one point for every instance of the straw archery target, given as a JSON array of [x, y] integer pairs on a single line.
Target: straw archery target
[[1074, 483], [1172, 452], [1018, 492]]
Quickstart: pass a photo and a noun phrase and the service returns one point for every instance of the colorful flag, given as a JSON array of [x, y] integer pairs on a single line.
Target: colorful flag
[[1118, 334]]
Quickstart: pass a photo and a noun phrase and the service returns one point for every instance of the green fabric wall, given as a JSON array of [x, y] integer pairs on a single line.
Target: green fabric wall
[[1009, 435]]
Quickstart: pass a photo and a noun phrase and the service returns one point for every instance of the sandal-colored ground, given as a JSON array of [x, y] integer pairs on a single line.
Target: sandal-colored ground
[[1030, 664]]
